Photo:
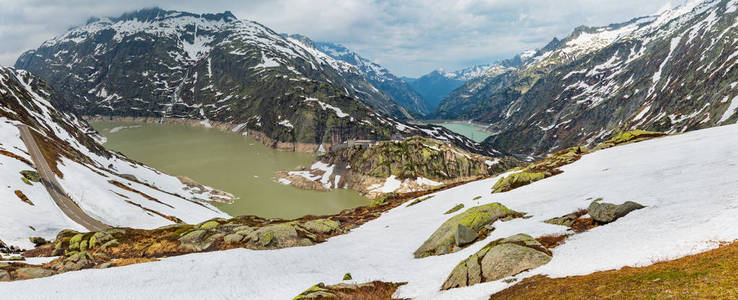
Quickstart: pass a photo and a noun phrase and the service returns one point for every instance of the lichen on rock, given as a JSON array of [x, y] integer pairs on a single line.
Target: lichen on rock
[[608, 212], [443, 240], [499, 259]]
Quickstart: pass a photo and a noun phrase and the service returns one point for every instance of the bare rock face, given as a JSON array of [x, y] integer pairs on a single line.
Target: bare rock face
[[465, 235], [500, 259], [608, 212]]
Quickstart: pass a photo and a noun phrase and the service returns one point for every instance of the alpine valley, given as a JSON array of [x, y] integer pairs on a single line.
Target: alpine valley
[[671, 72], [606, 169], [215, 69]]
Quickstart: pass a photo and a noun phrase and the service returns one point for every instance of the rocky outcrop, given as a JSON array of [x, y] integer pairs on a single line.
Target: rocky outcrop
[[370, 290], [124, 246], [413, 164], [465, 227], [31, 273], [585, 88], [517, 180], [608, 212], [499, 259], [539, 170], [628, 137]]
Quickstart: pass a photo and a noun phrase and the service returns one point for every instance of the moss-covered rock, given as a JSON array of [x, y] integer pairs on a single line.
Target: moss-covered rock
[[76, 260], [75, 241], [566, 220], [411, 158], [322, 226], [209, 224], [276, 235], [32, 272], [233, 238], [195, 240], [443, 240], [499, 259], [517, 180], [38, 241], [628, 137], [31, 176]]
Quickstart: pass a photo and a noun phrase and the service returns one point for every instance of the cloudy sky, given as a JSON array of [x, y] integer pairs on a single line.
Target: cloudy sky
[[409, 37]]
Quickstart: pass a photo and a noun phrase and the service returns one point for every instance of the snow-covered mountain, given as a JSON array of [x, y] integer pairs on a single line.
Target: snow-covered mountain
[[436, 85], [104, 185], [157, 63], [670, 72], [380, 77]]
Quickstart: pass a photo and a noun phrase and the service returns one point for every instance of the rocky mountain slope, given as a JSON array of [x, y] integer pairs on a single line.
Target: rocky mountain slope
[[436, 85], [671, 72], [104, 185], [394, 87], [156, 63], [412, 165]]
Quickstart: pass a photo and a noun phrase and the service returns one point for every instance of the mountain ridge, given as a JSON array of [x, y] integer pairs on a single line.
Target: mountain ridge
[[216, 68], [648, 73]]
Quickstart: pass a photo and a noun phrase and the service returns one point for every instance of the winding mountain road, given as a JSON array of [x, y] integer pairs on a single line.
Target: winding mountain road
[[48, 178]]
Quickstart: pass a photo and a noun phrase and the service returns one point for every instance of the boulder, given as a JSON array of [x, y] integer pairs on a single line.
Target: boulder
[[33, 272], [275, 235], [517, 180], [233, 238], [75, 261], [38, 241], [566, 220], [475, 219], [322, 226], [198, 240], [464, 235], [608, 212], [65, 233], [499, 259]]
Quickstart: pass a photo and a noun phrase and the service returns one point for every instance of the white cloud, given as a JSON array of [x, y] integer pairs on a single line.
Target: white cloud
[[410, 37]]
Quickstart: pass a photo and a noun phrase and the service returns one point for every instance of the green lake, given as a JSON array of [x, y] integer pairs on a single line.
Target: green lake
[[227, 161], [472, 131]]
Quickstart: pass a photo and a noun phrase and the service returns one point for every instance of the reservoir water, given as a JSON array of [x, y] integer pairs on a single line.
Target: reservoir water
[[475, 132], [227, 161]]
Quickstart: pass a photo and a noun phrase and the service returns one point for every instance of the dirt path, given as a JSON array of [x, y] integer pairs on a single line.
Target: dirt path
[[48, 178]]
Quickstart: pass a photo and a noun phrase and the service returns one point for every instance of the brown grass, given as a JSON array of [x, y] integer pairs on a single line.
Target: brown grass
[[12, 155], [132, 190], [583, 224], [552, 240], [708, 275], [23, 197], [131, 261]]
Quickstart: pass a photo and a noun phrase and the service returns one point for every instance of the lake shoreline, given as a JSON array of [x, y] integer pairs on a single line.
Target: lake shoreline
[[227, 161], [226, 127], [466, 128]]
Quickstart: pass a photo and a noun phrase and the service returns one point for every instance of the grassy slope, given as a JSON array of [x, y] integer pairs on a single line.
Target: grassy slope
[[708, 275]]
